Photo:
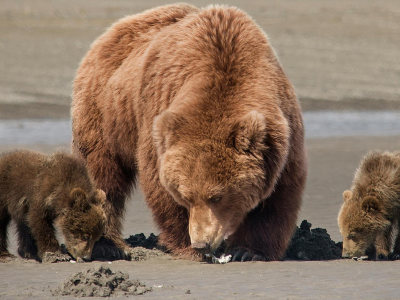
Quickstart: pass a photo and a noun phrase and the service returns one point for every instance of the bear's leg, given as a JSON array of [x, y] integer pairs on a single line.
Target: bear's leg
[[43, 232], [5, 219], [116, 181], [173, 221], [395, 255], [382, 244], [26, 244], [266, 232]]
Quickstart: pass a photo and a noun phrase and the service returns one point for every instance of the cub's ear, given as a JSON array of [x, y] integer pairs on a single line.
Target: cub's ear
[[347, 195], [100, 198], [77, 196], [249, 132], [370, 204], [164, 126], [78, 193]]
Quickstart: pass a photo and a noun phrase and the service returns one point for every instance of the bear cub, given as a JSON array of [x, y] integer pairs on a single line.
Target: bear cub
[[39, 192], [369, 216]]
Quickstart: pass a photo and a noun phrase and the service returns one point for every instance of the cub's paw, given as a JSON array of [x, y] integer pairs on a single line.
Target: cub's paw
[[6, 257], [382, 257], [242, 254], [55, 257], [105, 250], [28, 254], [394, 256]]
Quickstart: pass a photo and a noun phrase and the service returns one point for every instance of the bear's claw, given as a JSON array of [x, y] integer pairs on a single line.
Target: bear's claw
[[109, 253], [394, 256], [240, 254], [106, 250]]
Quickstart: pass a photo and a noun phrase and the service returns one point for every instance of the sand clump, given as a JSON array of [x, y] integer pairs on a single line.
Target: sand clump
[[100, 282], [312, 244], [140, 253]]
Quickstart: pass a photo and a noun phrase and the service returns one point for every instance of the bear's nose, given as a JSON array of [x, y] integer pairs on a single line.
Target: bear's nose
[[345, 255], [86, 258], [201, 247]]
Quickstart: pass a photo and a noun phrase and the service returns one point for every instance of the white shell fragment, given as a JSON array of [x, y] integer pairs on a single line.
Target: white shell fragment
[[360, 258], [222, 260]]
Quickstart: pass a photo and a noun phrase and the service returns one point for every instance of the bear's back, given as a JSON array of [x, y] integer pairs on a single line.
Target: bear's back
[[124, 40], [19, 169], [218, 59], [61, 173], [379, 173], [18, 172]]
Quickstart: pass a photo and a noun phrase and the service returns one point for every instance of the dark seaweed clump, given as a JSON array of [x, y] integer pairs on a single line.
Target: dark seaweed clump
[[140, 240], [306, 244], [312, 244]]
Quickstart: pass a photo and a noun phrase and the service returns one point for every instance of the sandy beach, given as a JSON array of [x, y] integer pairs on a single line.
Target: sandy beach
[[342, 58]]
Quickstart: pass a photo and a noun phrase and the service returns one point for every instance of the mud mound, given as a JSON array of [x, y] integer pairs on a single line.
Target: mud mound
[[312, 244], [100, 282]]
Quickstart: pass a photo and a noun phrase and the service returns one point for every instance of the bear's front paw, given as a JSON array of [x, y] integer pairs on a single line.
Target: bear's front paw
[[55, 257], [28, 253], [394, 256], [106, 250], [381, 257], [6, 257], [241, 254]]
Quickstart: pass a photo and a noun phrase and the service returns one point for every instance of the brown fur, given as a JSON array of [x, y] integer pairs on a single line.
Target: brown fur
[[38, 192], [371, 209], [195, 103]]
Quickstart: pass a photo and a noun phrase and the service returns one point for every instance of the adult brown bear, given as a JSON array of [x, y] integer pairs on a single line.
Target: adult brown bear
[[195, 103]]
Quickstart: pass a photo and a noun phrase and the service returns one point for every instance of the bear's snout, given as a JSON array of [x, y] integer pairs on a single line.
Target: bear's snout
[[205, 231], [345, 254], [202, 247]]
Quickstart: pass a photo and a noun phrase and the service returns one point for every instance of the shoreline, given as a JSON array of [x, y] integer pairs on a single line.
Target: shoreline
[[36, 110]]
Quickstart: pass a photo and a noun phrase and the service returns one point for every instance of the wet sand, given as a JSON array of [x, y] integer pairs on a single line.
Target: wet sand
[[340, 56]]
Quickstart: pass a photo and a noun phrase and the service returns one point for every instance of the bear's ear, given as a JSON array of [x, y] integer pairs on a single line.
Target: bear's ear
[[77, 196], [249, 131], [100, 198], [347, 195], [164, 126], [370, 204]]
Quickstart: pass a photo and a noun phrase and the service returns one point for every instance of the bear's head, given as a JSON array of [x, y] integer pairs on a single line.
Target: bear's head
[[216, 169], [360, 220], [83, 222]]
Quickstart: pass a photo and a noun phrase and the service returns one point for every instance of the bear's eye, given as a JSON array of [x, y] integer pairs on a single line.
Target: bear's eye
[[85, 237], [351, 236], [215, 199]]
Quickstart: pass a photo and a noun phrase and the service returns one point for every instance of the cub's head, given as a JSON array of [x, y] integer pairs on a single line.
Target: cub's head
[[216, 169], [83, 222], [360, 221]]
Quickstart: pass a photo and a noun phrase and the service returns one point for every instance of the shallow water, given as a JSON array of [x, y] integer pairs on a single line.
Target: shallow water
[[28, 132], [369, 123], [318, 124]]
